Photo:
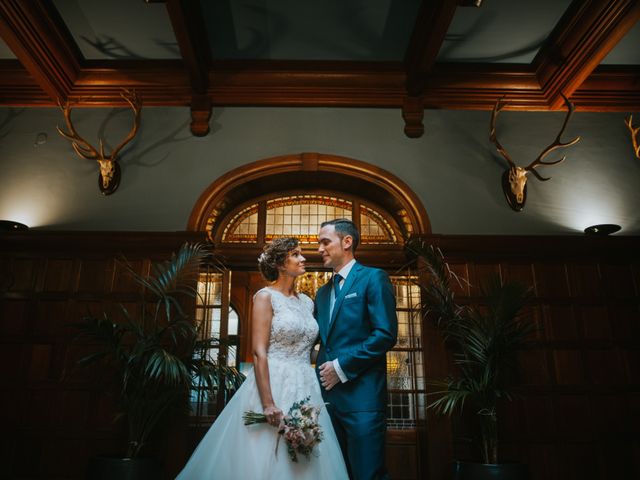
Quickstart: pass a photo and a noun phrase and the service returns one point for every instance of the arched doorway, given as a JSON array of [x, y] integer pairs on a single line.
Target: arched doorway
[[290, 196]]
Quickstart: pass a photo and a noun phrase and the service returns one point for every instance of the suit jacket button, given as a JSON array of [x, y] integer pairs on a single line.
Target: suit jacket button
[[328, 350]]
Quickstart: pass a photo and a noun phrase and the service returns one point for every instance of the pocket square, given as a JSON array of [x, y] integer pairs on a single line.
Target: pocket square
[[351, 295]]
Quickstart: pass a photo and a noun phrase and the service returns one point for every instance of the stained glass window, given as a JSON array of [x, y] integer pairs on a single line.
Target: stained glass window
[[405, 375], [209, 322], [374, 228], [300, 216], [243, 227]]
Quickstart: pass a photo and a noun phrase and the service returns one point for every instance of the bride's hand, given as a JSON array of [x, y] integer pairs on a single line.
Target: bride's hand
[[274, 415]]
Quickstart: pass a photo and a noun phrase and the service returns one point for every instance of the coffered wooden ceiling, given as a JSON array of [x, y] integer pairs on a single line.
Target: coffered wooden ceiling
[[405, 54]]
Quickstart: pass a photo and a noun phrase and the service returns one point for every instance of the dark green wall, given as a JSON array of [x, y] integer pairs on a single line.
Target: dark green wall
[[453, 168]]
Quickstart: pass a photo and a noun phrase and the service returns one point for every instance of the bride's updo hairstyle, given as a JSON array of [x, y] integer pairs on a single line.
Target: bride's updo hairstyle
[[274, 256]]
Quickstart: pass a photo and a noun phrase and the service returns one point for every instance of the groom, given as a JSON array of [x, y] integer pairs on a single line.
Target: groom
[[356, 313]]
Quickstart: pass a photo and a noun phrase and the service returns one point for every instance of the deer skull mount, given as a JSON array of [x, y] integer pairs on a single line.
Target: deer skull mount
[[109, 176], [634, 135], [514, 179]]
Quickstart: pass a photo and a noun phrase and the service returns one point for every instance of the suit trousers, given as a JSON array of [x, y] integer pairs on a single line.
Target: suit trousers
[[362, 439]]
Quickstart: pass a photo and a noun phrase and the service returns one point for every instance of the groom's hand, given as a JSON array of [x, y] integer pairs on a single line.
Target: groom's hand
[[328, 376]]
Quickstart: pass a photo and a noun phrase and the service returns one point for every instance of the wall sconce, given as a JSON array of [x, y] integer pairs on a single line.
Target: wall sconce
[[602, 229], [11, 226]]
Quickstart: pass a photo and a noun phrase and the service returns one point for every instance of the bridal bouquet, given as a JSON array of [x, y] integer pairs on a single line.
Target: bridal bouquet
[[299, 428]]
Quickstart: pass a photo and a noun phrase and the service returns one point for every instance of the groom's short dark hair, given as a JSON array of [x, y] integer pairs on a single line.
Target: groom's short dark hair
[[343, 227]]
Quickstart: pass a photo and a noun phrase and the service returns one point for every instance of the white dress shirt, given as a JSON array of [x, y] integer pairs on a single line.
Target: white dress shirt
[[344, 272]]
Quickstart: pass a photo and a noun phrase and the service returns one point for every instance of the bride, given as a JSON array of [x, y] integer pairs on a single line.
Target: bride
[[283, 332]]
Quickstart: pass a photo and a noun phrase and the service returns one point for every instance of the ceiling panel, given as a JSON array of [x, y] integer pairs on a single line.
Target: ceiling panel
[[365, 30], [5, 52], [501, 31], [119, 29], [627, 51]]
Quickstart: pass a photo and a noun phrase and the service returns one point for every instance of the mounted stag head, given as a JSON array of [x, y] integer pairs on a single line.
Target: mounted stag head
[[634, 135], [514, 179], [109, 177]]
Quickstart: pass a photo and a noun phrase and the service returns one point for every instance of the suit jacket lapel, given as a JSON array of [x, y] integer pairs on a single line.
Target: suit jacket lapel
[[351, 278]]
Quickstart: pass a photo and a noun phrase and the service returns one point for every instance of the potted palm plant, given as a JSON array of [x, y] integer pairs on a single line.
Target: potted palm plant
[[484, 342], [154, 357]]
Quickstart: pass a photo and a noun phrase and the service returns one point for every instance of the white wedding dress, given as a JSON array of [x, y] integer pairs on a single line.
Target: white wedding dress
[[230, 450]]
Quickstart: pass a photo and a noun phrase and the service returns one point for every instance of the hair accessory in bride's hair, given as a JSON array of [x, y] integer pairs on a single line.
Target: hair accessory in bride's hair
[[262, 257]]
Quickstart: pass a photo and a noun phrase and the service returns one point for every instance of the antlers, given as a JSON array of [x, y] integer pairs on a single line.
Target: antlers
[[109, 169], [83, 148], [634, 135], [540, 159]]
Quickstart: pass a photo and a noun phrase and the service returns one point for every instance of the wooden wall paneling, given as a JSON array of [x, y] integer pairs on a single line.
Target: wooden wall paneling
[[480, 275], [625, 322], [595, 320], [401, 455], [605, 366], [561, 323], [617, 280], [610, 415], [95, 275], [518, 272], [586, 358], [439, 441], [551, 280], [533, 313], [14, 318], [22, 274], [543, 461], [39, 362], [27, 462], [123, 282], [579, 461], [533, 367], [569, 366], [632, 366], [59, 275], [571, 412], [51, 319], [617, 459], [461, 288], [539, 417], [584, 280]]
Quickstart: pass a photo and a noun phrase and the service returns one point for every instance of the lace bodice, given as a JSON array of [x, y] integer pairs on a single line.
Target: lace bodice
[[293, 328]]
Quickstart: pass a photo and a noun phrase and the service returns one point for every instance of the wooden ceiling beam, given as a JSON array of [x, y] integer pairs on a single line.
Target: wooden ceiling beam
[[190, 31], [432, 24], [585, 34], [32, 31], [293, 84], [429, 30]]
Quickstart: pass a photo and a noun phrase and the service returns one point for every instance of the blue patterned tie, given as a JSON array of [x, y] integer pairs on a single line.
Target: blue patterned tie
[[337, 278]]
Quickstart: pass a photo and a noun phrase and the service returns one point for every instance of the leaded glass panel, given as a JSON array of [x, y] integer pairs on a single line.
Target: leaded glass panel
[[300, 216], [243, 227], [374, 229]]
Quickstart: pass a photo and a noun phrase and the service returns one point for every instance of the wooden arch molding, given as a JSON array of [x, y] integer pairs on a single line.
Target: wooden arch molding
[[311, 171]]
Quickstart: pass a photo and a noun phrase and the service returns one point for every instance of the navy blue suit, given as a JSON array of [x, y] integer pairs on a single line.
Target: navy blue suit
[[361, 329]]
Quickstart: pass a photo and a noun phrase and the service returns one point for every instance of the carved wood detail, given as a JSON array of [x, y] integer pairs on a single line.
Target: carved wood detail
[[33, 31], [413, 113], [331, 171], [449, 86], [585, 34], [54, 68], [200, 115]]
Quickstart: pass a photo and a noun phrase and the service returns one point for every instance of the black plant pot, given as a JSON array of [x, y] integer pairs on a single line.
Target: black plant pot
[[480, 471], [113, 468]]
